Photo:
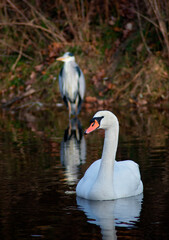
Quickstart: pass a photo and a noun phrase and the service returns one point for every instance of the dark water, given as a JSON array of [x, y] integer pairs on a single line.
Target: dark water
[[42, 159]]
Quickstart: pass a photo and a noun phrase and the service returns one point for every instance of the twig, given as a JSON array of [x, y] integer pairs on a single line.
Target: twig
[[17, 99], [18, 58], [141, 31], [17, 9], [67, 13], [82, 10], [91, 8], [128, 84], [107, 10], [161, 22], [146, 18], [52, 29], [14, 49], [30, 24]]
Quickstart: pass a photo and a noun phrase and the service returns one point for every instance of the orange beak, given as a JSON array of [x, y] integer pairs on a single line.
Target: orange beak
[[60, 59], [93, 126]]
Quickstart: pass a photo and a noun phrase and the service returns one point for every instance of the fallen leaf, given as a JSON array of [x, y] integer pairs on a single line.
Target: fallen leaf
[[54, 49], [88, 105], [101, 94], [39, 67], [33, 76], [89, 99], [117, 29], [142, 102], [101, 102], [110, 86], [29, 92], [3, 100]]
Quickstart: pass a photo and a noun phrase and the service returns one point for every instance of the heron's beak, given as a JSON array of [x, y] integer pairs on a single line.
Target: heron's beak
[[60, 59], [93, 126]]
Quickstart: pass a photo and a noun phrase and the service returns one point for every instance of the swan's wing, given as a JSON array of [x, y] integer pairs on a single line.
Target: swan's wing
[[93, 170], [127, 178], [88, 179]]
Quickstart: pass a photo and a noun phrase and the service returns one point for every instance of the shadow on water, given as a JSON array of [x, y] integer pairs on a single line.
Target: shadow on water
[[42, 157]]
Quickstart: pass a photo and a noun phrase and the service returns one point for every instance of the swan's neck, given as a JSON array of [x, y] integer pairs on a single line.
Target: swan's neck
[[109, 153], [110, 145]]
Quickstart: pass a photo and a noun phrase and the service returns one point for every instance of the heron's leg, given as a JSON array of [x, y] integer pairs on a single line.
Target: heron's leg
[[76, 104], [70, 128], [69, 108], [77, 132]]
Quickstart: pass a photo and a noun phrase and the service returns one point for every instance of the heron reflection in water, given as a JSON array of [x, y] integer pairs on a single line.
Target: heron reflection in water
[[123, 212], [71, 83], [73, 150]]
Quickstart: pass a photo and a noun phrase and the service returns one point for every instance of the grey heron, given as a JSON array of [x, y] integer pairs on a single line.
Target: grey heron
[[71, 83]]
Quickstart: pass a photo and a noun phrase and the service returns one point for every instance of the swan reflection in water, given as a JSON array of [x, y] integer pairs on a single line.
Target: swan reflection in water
[[73, 150], [123, 212]]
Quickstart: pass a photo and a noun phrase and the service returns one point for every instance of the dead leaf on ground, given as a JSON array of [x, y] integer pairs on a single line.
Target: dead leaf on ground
[[110, 86], [96, 79], [39, 67], [33, 76], [88, 105], [142, 102], [54, 49], [32, 79], [101, 102], [29, 92], [117, 29], [90, 99], [101, 94]]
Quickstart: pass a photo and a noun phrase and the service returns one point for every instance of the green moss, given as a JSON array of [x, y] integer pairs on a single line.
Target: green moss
[[76, 50], [108, 37], [17, 82]]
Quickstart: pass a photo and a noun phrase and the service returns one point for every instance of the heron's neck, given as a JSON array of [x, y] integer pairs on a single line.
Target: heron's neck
[[68, 65], [109, 152], [69, 70]]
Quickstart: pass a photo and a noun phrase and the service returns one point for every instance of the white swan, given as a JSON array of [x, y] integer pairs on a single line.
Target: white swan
[[107, 179]]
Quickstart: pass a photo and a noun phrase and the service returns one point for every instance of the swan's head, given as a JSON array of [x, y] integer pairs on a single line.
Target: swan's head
[[67, 57], [102, 119]]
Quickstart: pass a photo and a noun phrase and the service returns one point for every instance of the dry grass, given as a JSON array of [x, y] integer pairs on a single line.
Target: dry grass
[[29, 27], [147, 85]]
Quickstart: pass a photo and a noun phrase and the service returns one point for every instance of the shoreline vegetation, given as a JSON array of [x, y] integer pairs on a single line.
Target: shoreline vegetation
[[121, 46]]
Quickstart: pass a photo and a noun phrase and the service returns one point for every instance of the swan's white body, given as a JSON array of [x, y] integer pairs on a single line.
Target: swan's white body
[[107, 179]]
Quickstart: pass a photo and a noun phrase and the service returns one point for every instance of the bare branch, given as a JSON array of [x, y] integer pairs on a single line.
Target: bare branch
[[14, 49], [18, 58], [141, 31], [30, 24]]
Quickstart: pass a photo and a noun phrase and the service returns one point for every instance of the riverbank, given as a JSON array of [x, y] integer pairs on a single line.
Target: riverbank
[[124, 63]]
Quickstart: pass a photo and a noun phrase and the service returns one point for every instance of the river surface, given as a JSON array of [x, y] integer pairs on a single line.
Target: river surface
[[43, 156]]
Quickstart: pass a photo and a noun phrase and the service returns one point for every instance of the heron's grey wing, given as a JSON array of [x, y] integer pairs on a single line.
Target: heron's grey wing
[[61, 82], [82, 85], [61, 79]]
